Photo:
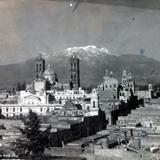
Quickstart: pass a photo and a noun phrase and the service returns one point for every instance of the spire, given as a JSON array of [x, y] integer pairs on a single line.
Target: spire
[[124, 73], [40, 55], [106, 74], [111, 74]]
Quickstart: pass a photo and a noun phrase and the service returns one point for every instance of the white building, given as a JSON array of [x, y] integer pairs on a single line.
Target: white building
[[27, 98], [39, 103], [12, 110], [145, 94], [36, 96], [89, 102], [63, 95], [90, 107]]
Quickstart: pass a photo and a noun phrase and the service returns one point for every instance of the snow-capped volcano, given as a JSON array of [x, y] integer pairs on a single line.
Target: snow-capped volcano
[[84, 53], [90, 50], [93, 64]]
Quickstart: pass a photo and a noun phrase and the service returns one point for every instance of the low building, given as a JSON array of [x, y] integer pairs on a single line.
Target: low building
[[64, 95], [71, 124], [145, 94], [16, 110], [28, 98]]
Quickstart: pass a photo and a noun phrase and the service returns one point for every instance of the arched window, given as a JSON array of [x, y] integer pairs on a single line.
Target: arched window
[[37, 68], [75, 65], [94, 104], [40, 67]]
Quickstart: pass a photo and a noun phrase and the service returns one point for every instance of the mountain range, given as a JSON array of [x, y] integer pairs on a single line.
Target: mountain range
[[93, 63]]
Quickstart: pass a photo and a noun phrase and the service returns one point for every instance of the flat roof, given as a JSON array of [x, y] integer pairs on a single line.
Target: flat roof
[[86, 140]]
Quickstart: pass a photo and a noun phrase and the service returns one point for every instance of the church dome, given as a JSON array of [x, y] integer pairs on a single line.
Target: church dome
[[49, 70], [111, 80]]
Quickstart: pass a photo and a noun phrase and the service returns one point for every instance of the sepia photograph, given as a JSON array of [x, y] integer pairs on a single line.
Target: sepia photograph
[[80, 79]]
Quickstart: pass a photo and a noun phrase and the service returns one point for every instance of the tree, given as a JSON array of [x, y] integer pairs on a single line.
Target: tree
[[33, 141], [1, 115], [23, 87]]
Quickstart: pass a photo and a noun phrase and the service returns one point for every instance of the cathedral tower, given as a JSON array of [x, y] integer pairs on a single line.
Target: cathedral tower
[[75, 73], [39, 67]]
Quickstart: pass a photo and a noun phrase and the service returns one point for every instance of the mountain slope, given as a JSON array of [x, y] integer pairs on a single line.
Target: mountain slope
[[93, 63]]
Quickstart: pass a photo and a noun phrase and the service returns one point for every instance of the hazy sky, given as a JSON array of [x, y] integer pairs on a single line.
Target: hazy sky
[[28, 27]]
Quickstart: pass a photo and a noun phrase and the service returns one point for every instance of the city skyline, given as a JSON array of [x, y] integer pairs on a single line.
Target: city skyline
[[79, 79]]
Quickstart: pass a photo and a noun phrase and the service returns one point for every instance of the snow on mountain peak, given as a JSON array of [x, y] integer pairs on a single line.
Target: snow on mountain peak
[[89, 51], [84, 53]]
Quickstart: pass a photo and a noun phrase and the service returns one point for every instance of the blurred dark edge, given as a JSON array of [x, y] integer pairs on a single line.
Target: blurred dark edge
[[148, 4]]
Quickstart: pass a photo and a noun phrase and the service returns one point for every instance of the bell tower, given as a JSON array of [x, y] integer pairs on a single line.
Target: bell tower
[[39, 67], [75, 72]]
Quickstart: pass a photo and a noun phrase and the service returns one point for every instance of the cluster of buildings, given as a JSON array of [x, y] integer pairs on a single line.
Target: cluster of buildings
[[114, 94], [71, 111], [122, 90], [80, 119], [137, 122], [45, 93]]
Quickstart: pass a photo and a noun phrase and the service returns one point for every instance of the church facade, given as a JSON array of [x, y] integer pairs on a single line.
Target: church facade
[[127, 86], [109, 82]]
